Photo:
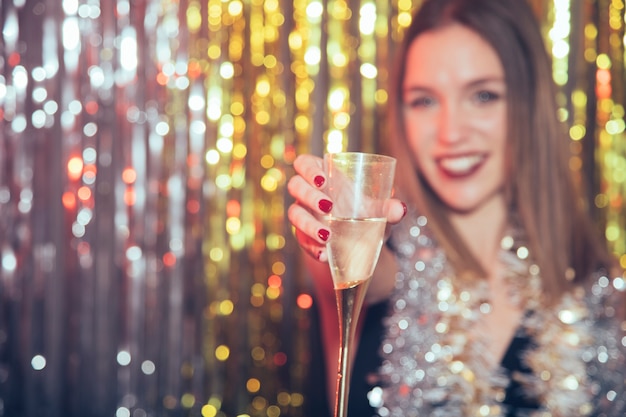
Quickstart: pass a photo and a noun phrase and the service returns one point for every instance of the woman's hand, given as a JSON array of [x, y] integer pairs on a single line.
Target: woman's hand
[[306, 187], [311, 203]]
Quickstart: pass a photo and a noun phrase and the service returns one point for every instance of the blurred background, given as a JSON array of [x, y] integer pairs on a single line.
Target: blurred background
[[146, 264]]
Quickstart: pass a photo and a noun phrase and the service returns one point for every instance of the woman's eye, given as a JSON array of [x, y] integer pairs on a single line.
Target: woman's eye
[[486, 96], [420, 102]]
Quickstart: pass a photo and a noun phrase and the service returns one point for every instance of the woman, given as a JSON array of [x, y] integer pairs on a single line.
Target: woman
[[498, 297]]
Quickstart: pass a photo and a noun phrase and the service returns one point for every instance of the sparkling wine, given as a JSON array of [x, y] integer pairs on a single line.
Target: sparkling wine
[[353, 251], [354, 248], [350, 296]]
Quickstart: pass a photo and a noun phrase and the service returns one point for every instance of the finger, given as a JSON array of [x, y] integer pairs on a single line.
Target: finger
[[311, 168], [306, 195], [311, 247], [396, 210], [305, 222]]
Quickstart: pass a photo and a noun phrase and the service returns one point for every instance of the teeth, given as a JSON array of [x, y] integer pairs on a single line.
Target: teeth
[[461, 164]]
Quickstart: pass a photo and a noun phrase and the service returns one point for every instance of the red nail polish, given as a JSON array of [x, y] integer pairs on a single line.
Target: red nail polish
[[319, 181], [405, 209], [323, 234], [325, 205]]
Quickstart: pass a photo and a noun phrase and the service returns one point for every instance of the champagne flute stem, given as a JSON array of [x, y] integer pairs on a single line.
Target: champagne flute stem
[[349, 305]]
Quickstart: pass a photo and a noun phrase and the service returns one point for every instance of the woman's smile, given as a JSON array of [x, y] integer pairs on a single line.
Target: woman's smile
[[460, 166]]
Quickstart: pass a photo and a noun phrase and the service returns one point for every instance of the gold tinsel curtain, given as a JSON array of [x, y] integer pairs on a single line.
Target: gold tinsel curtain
[[146, 264]]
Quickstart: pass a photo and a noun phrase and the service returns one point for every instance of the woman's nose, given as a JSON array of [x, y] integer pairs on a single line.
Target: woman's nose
[[451, 122]]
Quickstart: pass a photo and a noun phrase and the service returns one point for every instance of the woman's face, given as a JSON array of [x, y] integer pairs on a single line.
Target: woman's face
[[454, 109]]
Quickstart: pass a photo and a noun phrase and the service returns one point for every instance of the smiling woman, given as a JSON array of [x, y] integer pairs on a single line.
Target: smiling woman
[[455, 117], [496, 293]]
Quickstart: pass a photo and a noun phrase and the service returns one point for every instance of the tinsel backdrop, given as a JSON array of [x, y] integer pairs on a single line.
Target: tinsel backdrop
[[146, 264]]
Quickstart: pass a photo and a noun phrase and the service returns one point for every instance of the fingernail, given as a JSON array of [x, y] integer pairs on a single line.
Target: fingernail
[[323, 234], [325, 205], [404, 208], [319, 255], [319, 181]]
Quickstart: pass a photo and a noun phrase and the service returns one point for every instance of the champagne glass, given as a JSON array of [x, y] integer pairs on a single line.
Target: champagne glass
[[359, 184]]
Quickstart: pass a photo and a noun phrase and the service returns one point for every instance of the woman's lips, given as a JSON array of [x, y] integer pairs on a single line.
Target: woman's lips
[[460, 166]]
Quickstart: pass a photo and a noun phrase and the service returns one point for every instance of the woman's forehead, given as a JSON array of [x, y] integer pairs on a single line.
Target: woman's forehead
[[451, 53]]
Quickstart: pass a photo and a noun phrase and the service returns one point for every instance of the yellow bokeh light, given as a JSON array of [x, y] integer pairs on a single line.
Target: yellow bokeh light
[[267, 161], [259, 403], [258, 353], [283, 398], [314, 10], [224, 145], [341, 120], [381, 96], [312, 55], [194, 18], [271, 34], [615, 127], [188, 400], [279, 99], [601, 200], [262, 117], [337, 98], [302, 123], [237, 242], [257, 289], [215, 14], [275, 242], [279, 267], [263, 87], [339, 59], [295, 41], [223, 181], [239, 125], [404, 19], [222, 353], [577, 132], [235, 8], [297, 399], [612, 232], [591, 31], [240, 150], [233, 225], [302, 98], [269, 183], [226, 307], [603, 61], [216, 254], [237, 108], [270, 6], [273, 293], [253, 385], [369, 71], [212, 157], [273, 411], [208, 410], [270, 61]]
